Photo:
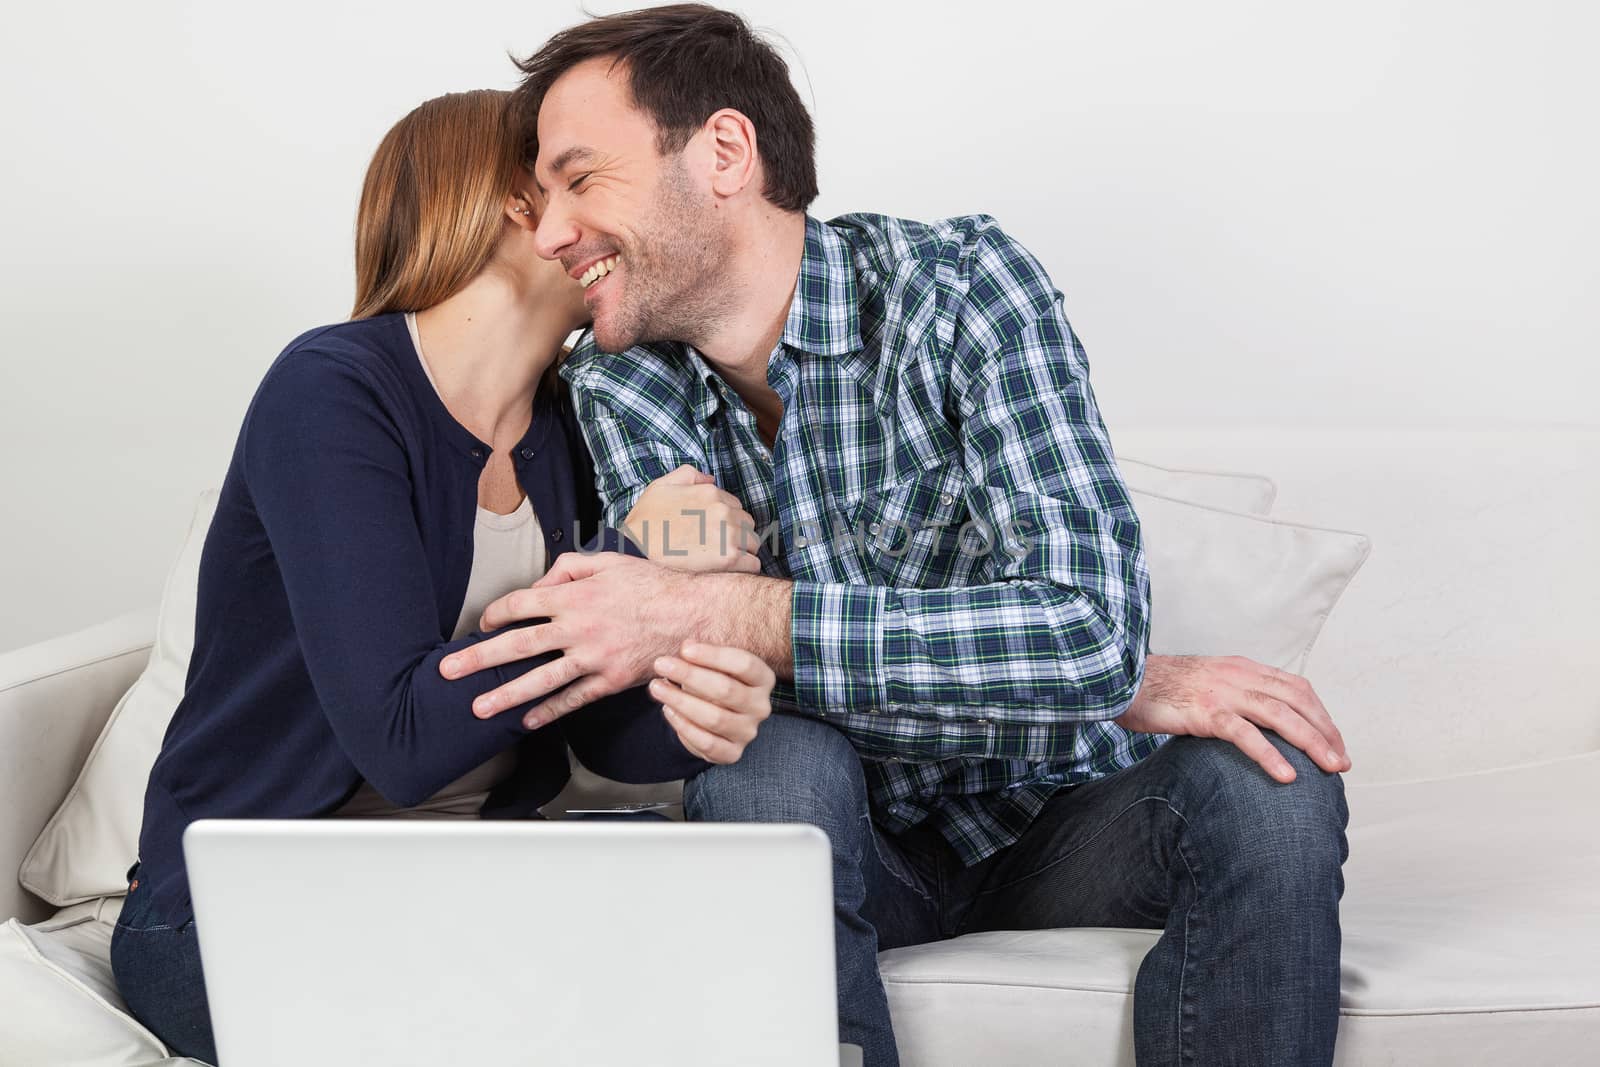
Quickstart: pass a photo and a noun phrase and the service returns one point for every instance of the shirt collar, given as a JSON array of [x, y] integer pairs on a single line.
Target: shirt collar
[[706, 392], [824, 319]]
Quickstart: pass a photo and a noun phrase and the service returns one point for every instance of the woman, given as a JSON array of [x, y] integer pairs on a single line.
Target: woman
[[393, 475]]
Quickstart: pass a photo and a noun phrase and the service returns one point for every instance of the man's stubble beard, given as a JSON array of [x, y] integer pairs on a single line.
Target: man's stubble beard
[[677, 276]]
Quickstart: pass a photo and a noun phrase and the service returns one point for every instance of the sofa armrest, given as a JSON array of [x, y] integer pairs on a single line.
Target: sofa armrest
[[54, 698]]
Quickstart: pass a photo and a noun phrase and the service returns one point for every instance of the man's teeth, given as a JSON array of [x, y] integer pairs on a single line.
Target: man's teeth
[[598, 271]]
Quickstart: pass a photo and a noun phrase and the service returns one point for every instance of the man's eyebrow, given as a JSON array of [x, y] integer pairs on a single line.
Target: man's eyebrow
[[575, 154]]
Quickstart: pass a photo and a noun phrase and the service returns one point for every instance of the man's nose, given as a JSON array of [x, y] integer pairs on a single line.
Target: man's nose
[[555, 231]]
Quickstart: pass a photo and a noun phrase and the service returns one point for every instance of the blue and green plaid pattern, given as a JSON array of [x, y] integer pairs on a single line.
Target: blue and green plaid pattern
[[970, 599]]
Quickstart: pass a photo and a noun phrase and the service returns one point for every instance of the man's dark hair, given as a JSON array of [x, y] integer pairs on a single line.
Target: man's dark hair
[[684, 62]]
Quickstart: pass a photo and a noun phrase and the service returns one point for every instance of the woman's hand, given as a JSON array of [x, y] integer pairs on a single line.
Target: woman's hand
[[682, 520], [715, 697]]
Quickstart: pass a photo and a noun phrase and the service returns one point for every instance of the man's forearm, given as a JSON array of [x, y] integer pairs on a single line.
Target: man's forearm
[[756, 613], [752, 612], [980, 714]]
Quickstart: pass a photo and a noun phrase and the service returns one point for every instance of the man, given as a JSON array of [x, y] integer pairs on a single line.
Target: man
[[953, 595]]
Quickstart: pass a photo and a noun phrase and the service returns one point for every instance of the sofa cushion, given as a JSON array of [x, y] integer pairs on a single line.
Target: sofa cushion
[[86, 848], [1468, 642], [1225, 583], [1252, 494], [61, 1004], [1470, 935]]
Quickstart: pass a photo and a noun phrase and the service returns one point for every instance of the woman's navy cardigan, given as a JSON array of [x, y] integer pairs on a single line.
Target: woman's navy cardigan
[[330, 583]]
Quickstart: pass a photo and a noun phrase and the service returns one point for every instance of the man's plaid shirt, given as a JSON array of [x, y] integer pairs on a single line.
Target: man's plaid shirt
[[970, 599]]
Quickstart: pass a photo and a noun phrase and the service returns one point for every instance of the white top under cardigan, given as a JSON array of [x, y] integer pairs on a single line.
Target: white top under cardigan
[[507, 553]]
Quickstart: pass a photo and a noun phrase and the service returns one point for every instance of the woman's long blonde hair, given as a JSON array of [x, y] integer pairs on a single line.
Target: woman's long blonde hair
[[432, 206]]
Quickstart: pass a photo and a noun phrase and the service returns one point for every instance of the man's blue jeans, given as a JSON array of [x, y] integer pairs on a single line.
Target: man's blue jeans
[[1241, 873]]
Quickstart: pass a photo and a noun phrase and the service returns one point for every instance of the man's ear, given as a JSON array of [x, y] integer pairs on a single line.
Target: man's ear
[[735, 162]]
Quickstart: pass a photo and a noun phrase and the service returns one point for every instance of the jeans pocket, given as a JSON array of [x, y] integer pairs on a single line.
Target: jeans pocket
[[136, 907]]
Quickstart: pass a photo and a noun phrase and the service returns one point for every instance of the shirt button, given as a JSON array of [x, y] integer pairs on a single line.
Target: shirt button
[[873, 529], [556, 536], [947, 499]]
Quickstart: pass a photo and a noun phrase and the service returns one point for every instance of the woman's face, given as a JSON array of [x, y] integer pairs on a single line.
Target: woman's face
[[549, 282]]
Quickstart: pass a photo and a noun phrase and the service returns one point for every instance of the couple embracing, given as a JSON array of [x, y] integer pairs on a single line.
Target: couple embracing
[[446, 553]]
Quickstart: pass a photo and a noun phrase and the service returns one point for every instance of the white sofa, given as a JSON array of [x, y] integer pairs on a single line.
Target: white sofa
[[1459, 665]]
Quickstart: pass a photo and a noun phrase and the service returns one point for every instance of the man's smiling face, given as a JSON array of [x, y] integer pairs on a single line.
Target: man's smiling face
[[637, 228]]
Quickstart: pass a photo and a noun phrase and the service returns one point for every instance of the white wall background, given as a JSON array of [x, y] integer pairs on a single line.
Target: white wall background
[[1363, 214]]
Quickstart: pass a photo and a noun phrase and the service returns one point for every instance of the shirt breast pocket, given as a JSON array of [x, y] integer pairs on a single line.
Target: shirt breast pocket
[[915, 533]]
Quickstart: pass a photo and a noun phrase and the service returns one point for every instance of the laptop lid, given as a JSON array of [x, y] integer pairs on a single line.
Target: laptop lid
[[448, 942]]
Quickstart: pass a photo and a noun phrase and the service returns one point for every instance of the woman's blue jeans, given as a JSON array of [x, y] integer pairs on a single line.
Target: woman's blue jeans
[[157, 968], [1241, 873]]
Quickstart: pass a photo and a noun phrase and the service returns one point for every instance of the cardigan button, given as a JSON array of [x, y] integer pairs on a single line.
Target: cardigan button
[[527, 453], [477, 453], [556, 536]]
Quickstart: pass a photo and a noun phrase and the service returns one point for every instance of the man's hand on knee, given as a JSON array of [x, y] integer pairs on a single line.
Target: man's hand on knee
[[1232, 698]]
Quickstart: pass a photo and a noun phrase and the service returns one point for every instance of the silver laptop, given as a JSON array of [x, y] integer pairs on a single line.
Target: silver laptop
[[330, 941]]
